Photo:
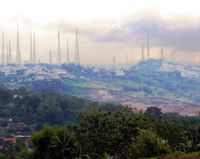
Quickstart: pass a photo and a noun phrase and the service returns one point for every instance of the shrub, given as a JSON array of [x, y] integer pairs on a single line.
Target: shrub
[[147, 144]]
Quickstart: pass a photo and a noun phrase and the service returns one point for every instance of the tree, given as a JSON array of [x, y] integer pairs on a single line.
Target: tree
[[5, 97], [147, 144], [154, 111], [101, 132], [10, 150], [33, 101], [51, 143]]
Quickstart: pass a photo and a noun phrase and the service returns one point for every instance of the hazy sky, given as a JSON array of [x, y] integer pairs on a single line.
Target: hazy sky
[[107, 28]]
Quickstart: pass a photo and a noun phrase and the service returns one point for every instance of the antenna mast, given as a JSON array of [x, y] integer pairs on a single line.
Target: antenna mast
[[148, 48], [161, 54], [50, 57], [77, 58], [143, 58], [68, 59], [34, 49], [31, 49], [18, 52], [59, 55], [3, 51]]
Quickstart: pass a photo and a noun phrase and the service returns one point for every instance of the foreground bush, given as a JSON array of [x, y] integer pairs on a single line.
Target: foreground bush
[[51, 143], [147, 144]]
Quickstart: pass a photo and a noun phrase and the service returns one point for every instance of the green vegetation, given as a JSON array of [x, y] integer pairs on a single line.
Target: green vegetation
[[80, 129], [148, 143], [120, 134], [40, 108]]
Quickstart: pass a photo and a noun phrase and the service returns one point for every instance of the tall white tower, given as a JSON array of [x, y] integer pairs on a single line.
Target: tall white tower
[[9, 52], [68, 58], [18, 51], [59, 54], [172, 56], [77, 58], [126, 59], [31, 49], [142, 53], [3, 51], [114, 62], [34, 50], [7, 55], [161, 54], [148, 48], [50, 57]]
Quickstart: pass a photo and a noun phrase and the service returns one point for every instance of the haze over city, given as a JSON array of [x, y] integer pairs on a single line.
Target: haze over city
[[106, 28]]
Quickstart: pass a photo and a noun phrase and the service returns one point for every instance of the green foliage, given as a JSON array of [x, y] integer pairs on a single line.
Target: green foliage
[[9, 150], [50, 143], [105, 156], [109, 132], [20, 146], [40, 108], [42, 141], [154, 111], [3, 156], [181, 155], [5, 97], [94, 130], [25, 154], [147, 144], [124, 134]]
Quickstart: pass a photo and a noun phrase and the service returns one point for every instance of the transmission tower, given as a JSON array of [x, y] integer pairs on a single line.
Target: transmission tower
[[34, 50], [50, 57], [31, 49], [148, 48], [143, 58], [114, 62], [3, 51], [77, 58], [172, 56], [59, 54], [126, 59], [161, 54], [18, 51], [9, 52], [7, 55], [68, 59]]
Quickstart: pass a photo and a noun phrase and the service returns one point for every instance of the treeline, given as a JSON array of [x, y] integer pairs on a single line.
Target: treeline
[[97, 131], [45, 107], [120, 134]]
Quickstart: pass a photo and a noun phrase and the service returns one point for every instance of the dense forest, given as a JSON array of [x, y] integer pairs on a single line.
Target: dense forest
[[67, 127]]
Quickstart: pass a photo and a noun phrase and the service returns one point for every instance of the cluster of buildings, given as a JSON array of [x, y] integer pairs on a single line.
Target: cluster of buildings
[[187, 71], [12, 131], [22, 73]]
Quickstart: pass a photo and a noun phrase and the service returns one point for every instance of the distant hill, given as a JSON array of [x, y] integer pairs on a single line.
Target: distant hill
[[173, 87], [188, 71]]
